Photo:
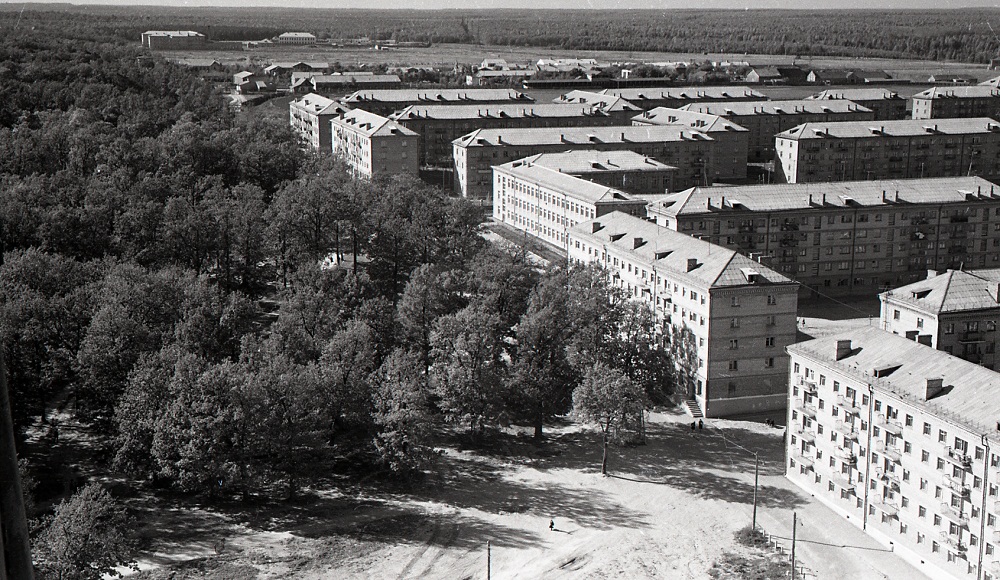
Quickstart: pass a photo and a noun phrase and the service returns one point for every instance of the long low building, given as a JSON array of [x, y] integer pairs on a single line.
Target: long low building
[[848, 151], [952, 102], [629, 171], [730, 318], [690, 151], [338, 84], [388, 101], [173, 39], [860, 237], [545, 203], [733, 141], [901, 440], [885, 103], [439, 125], [373, 145], [675, 97], [764, 120]]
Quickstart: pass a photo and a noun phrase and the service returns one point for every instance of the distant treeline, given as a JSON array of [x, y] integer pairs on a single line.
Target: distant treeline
[[960, 35]]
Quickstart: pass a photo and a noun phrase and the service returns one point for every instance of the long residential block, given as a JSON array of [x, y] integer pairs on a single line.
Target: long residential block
[[764, 120], [675, 97], [886, 104], [310, 117], [439, 125], [388, 101], [728, 317], [690, 151], [955, 312], [951, 102], [373, 145], [733, 141], [545, 203], [902, 440], [816, 152], [629, 171], [860, 237]]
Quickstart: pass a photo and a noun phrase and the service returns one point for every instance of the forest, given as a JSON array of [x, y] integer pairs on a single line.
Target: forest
[[944, 35], [235, 318]]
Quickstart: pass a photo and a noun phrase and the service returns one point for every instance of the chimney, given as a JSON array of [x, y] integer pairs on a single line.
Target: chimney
[[708, 203], [931, 274], [499, 139], [824, 199], [994, 287], [722, 204], [934, 386], [843, 348], [692, 264]]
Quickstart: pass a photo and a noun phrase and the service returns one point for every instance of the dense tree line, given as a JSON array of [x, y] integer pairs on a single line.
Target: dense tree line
[[960, 35]]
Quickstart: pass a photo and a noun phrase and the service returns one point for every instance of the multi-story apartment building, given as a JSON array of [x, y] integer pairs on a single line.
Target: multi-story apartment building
[[955, 312], [610, 103], [373, 145], [764, 120], [545, 203], [886, 104], [733, 141], [628, 171], [388, 101], [951, 102], [173, 39], [691, 152], [310, 117], [296, 38], [901, 440], [816, 152], [860, 237], [676, 97], [733, 315], [439, 125]]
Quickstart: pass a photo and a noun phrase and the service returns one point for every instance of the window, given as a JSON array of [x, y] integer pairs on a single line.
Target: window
[[922, 511], [907, 447], [909, 420], [734, 344], [942, 436], [769, 363], [895, 314], [735, 302], [734, 365], [920, 323], [769, 341], [927, 428], [771, 300], [734, 323], [925, 456]]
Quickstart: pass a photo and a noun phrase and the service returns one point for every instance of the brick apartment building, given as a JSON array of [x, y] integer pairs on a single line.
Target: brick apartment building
[[733, 141], [387, 101], [173, 40], [628, 171], [885, 103], [373, 145], [310, 117], [676, 97], [953, 102]]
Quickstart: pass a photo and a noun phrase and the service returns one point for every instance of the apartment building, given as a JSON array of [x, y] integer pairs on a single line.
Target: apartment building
[[734, 315], [628, 171], [373, 145], [733, 141], [310, 117], [439, 125], [816, 152], [296, 38], [955, 312], [764, 120], [544, 202], [173, 39], [901, 439], [860, 237], [886, 104], [387, 101], [691, 152], [676, 97], [952, 102]]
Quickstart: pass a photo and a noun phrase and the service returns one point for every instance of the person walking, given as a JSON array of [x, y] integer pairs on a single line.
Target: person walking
[[701, 424], [552, 525]]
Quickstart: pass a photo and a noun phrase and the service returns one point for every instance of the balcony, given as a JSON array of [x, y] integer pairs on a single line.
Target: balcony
[[954, 514], [971, 337], [846, 455], [848, 430], [804, 459], [843, 482], [952, 542], [957, 485], [805, 434], [890, 426], [849, 405], [886, 505], [958, 457], [807, 409], [889, 451]]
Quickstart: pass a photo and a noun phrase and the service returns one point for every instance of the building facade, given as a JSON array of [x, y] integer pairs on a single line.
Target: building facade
[[373, 145], [628, 171], [732, 149], [901, 440], [730, 316], [912, 149], [764, 120], [296, 38], [439, 125], [886, 104], [676, 97], [691, 152], [310, 117], [388, 101], [173, 39], [955, 312], [952, 102], [860, 238], [545, 203], [340, 84]]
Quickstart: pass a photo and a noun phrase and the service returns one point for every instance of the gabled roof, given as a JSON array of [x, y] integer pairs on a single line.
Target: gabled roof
[[953, 291], [969, 393], [243, 75], [583, 161], [686, 93], [573, 187], [831, 74], [666, 249], [746, 108], [855, 95], [700, 121], [371, 124], [993, 82], [319, 105], [579, 135], [840, 194], [966, 92], [198, 62], [878, 129], [499, 111], [610, 103], [766, 72]]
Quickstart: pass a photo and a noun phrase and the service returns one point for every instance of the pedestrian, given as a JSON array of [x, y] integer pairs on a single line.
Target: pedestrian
[[552, 525], [701, 424], [692, 425]]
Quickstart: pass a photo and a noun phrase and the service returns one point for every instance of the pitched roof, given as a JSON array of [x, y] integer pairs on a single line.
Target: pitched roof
[[855, 95], [953, 291], [686, 93], [579, 135], [966, 92], [439, 96], [993, 82], [574, 187], [747, 108], [584, 161], [802, 196], [319, 105], [350, 78], [198, 62], [969, 394], [700, 121], [669, 250], [497, 111], [371, 124], [878, 129]]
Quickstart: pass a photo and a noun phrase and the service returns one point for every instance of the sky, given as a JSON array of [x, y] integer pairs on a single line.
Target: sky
[[577, 4]]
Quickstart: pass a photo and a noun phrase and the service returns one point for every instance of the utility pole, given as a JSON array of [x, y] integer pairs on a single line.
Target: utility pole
[[15, 553], [756, 477], [489, 557], [795, 518]]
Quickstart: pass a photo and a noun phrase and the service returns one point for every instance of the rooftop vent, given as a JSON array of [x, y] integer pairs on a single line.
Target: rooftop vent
[[692, 263], [843, 349], [934, 386]]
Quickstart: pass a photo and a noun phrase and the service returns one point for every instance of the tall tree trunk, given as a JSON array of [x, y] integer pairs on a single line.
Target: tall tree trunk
[[539, 424], [14, 544], [604, 460]]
